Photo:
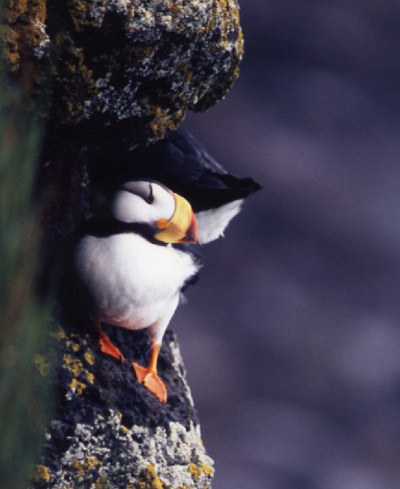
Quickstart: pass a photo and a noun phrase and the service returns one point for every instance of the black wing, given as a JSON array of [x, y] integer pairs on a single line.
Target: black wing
[[180, 163]]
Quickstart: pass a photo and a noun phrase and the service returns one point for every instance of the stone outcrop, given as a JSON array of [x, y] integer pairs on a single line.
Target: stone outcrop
[[107, 430], [132, 68]]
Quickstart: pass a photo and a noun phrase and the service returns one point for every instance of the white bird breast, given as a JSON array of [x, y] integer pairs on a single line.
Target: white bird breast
[[132, 282]]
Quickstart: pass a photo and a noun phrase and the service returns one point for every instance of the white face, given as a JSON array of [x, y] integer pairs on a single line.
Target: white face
[[144, 202]]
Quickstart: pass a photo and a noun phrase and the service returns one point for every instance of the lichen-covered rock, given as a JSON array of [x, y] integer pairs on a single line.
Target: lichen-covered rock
[[108, 431], [134, 65], [25, 41], [107, 454]]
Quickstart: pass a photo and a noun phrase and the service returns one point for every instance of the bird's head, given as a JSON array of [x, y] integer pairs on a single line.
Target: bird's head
[[169, 215]]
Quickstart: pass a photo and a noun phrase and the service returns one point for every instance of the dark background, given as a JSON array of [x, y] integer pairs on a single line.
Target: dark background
[[291, 338]]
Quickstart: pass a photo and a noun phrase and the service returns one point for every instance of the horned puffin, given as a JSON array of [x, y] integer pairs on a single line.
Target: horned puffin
[[133, 257], [130, 271]]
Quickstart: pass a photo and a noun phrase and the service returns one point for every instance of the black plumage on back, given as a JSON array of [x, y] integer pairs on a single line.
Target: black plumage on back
[[179, 162]]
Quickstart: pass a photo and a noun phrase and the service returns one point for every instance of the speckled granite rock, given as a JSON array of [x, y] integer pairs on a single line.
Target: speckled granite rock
[[108, 431], [131, 68]]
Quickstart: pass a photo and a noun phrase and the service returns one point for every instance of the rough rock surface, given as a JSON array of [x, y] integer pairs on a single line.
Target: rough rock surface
[[132, 66], [108, 431]]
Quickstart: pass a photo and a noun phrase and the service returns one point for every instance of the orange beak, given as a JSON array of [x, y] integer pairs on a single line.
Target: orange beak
[[191, 232]]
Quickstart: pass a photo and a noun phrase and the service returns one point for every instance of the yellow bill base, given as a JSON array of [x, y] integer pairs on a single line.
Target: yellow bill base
[[176, 229]]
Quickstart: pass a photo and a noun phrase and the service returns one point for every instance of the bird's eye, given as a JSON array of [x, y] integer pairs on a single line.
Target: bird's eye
[[150, 197]]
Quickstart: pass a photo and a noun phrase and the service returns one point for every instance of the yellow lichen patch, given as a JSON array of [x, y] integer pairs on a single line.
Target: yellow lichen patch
[[75, 366], [72, 345], [15, 10], [79, 10], [73, 78], [174, 7], [89, 357], [207, 469], [148, 479], [41, 473], [77, 465], [77, 387], [88, 464], [10, 49], [24, 33], [89, 377], [163, 120], [39, 9], [240, 42], [60, 335], [92, 462], [42, 365], [200, 468], [194, 471]]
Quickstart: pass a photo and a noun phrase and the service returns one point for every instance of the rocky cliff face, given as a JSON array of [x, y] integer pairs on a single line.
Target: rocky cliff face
[[108, 431], [133, 67]]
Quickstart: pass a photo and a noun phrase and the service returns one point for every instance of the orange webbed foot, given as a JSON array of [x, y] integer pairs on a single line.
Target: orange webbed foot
[[150, 379], [146, 375], [109, 348]]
